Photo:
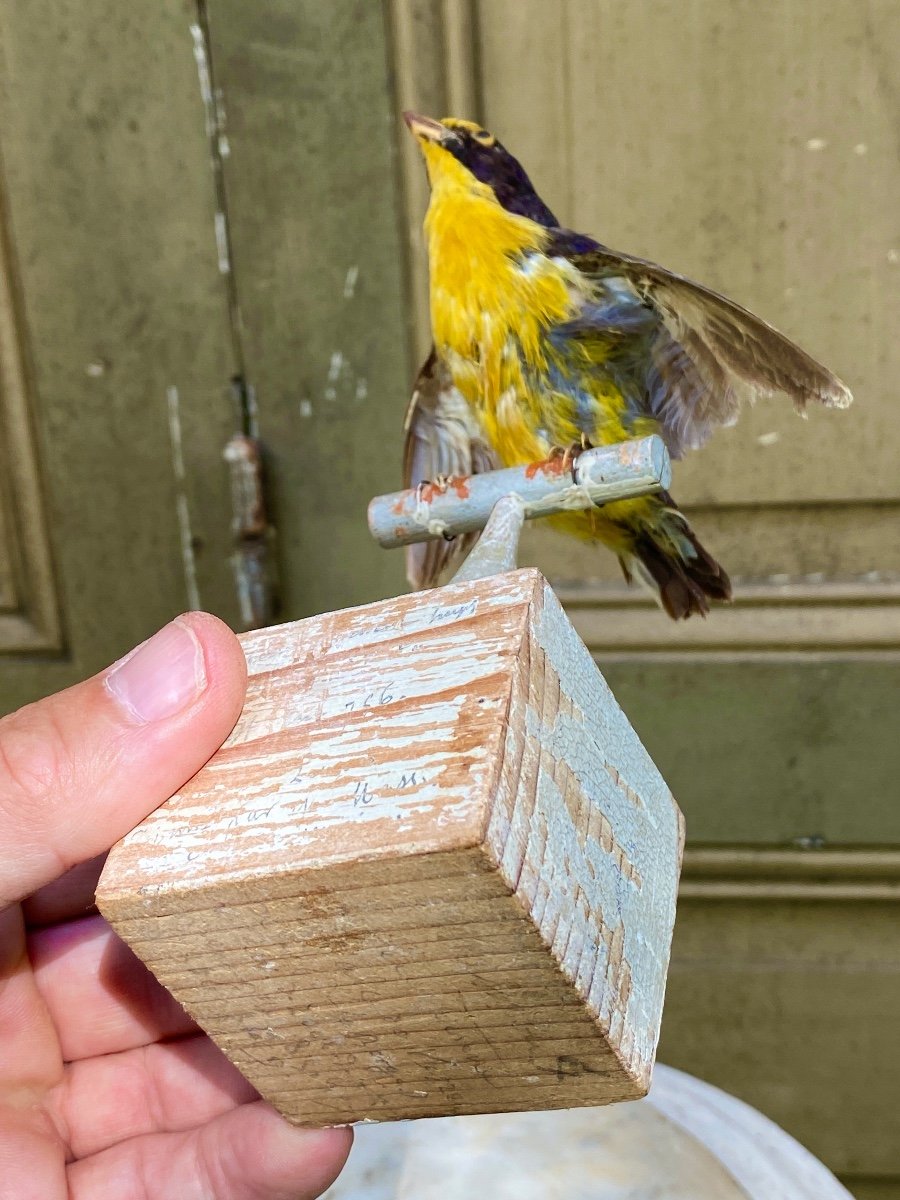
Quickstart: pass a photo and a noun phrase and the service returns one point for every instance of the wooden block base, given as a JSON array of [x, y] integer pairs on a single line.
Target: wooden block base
[[433, 871]]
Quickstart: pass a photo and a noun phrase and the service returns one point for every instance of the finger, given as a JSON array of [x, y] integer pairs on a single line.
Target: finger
[[81, 768], [72, 895], [249, 1153], [31, 1160], [163, 1088], [100, 996], [30, 1061]]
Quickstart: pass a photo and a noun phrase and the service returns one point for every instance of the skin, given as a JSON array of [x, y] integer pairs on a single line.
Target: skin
[[107, 1089]]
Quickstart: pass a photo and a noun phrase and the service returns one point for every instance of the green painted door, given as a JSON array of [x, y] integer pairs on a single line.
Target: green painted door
[[159, 242], [115, 345]]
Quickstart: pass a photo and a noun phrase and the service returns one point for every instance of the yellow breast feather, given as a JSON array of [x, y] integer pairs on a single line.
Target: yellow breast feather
[[494, 294]]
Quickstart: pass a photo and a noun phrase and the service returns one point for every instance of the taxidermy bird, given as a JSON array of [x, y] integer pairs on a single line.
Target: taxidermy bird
[[546, 341]]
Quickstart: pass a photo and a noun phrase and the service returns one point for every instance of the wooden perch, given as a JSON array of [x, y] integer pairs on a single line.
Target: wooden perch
[[432, 871], [464, 504]]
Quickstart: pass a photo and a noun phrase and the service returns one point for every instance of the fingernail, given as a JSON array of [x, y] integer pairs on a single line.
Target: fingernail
[[161, 677]]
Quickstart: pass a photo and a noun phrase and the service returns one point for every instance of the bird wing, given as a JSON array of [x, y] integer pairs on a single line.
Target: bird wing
[[704, 354], [443, 438]]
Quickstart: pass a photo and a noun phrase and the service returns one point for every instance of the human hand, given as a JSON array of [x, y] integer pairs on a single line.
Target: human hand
[[107, 1089]]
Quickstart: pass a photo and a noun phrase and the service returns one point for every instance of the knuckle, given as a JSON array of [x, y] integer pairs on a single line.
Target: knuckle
[[36, 763]]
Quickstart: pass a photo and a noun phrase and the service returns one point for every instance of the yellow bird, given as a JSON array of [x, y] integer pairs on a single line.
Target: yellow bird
[[545, 341]]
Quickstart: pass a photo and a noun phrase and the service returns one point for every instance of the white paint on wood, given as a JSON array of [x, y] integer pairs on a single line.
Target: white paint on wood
[[586, 883], [432, 870]]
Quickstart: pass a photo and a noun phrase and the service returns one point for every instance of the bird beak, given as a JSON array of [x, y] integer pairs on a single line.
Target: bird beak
[[427, 130]]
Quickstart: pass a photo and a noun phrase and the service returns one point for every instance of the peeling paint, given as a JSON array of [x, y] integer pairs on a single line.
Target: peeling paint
[[250, 407], [188, 558], [201, 58], [221, 224], [173, 401], [336, 366], [213, 101]]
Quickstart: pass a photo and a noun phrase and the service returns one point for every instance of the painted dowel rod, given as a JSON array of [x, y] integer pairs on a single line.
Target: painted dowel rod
[[465, 503], [497, 549]]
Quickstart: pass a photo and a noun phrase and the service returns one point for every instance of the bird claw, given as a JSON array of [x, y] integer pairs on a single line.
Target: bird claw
[[565, 456], [427, 489]]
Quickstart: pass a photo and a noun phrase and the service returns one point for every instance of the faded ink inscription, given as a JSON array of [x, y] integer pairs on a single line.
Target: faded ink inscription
[[363, 794], [375, 698]]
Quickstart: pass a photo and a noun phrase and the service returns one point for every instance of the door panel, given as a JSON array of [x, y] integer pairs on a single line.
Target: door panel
[[118, 345], [318, 260], [759, 752], [764, 1001], [29, 607], [872, 1188]]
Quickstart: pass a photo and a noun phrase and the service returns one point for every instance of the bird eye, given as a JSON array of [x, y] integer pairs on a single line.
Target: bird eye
[[482, 135]]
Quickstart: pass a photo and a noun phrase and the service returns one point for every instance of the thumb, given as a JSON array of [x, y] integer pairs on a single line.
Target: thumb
[[78, 770]]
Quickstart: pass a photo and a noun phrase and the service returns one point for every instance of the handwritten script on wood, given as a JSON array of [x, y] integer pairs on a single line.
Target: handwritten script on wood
[[432, 870]]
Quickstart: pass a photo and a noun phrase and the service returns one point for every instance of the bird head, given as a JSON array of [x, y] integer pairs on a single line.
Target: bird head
[[452, 143]]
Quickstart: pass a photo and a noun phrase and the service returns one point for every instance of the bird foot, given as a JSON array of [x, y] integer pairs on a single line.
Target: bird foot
[[563, 457], [428, 489]]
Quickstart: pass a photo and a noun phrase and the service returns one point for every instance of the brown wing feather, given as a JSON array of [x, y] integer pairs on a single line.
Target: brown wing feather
[[442, 439], [709, 353]]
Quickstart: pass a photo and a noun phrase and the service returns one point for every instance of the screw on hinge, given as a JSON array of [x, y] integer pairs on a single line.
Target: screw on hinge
[[253, 560]]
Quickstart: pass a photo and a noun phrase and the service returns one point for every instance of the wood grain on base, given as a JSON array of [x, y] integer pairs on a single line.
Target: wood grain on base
[[432, 871]]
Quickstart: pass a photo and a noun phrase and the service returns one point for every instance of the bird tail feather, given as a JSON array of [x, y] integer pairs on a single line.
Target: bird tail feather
[[669, 558]]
